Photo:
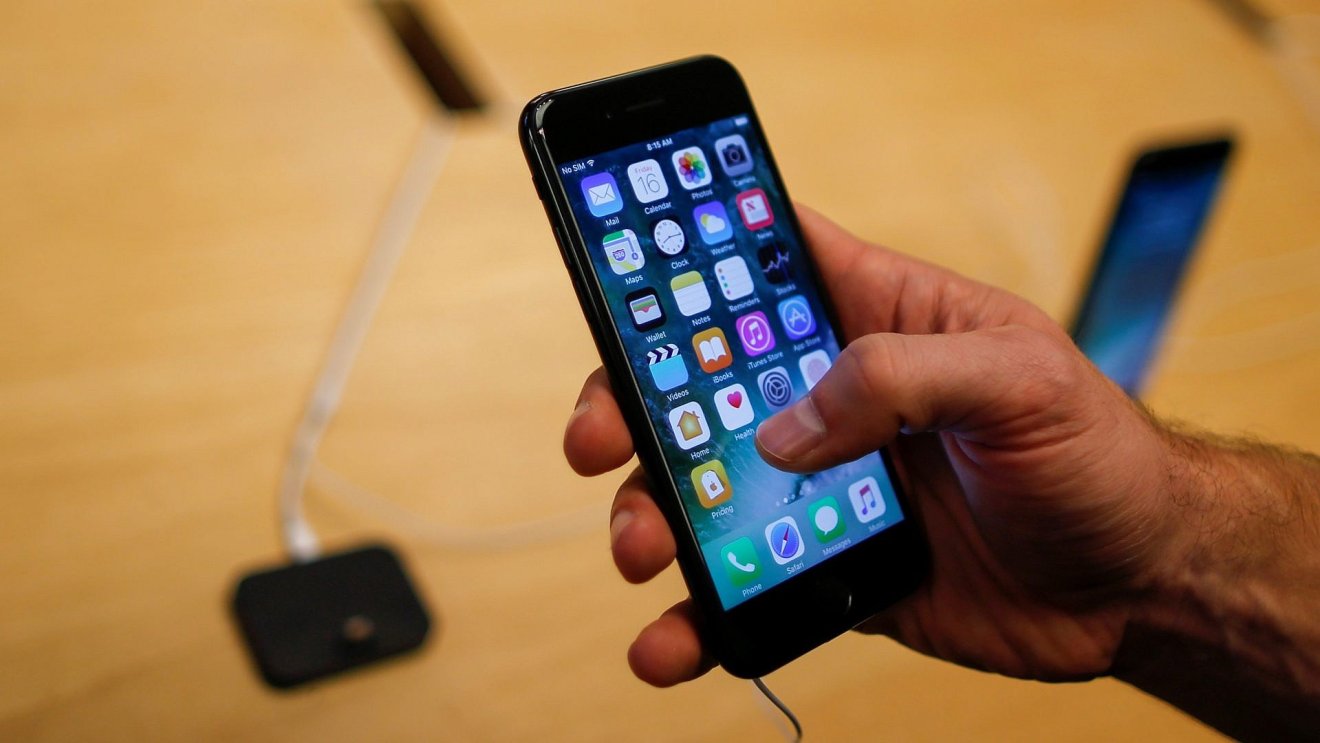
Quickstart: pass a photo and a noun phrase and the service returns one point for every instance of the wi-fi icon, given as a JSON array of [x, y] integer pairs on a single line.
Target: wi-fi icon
[[590, 163]]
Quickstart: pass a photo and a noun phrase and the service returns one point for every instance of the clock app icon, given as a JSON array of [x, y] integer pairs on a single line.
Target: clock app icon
[[669, 237]]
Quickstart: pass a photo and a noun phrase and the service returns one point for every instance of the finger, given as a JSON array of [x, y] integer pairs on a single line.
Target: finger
[[596, 440], [640, 539], [1004, 379], [668, 650]]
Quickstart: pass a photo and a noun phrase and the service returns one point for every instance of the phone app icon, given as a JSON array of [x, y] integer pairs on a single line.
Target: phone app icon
[[740, 561], [648, 181], [775, 265], [733, 277], [734, 407], [826, 520], [776, 387], [712, 350], [688, 422], [690, 293], [692, 168], [667, 368], [713, 223], [797, 318], [712, 484], [623, 251], [669, 236], [734, 156], [785, 540], [602, 194], [755, 209], [755, 333], [813, 366], [867, 500], [644, 306]]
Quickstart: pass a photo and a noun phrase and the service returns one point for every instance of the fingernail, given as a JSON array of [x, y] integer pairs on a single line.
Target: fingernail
[[793, 432], [618, 523], [582, 407]]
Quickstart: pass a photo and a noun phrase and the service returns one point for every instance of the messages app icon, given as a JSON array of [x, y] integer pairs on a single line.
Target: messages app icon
[[602, 194]]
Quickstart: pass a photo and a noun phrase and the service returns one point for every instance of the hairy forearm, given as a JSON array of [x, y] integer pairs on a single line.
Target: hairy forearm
[[1229, 628]]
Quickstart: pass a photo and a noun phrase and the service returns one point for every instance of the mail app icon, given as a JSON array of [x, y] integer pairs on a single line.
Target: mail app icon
[[602, 194]]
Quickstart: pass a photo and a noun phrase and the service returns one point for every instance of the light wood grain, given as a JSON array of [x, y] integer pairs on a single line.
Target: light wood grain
[[187, 192]]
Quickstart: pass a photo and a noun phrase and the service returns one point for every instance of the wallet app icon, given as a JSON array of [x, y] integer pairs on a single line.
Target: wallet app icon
[[602, 194]]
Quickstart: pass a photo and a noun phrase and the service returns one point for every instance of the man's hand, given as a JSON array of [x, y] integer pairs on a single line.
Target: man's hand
[[1038, 482]]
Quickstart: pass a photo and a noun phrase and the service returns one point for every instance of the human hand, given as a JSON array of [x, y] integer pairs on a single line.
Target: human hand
[[1038, 483]]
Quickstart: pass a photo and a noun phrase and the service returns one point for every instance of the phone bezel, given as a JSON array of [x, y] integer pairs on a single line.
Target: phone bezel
[[832, 596]]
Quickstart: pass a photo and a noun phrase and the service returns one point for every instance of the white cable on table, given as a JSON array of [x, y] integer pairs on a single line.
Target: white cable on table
[[391, 238]]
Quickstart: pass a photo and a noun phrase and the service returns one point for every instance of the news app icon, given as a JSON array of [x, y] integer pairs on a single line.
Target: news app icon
[[755, 209], [785, 540], [623, 252], [712, 484], [688, 423], [867, 500], [602, 194], [755, 333], [734, 156], [667, 368], [712, 350], [644, 307]]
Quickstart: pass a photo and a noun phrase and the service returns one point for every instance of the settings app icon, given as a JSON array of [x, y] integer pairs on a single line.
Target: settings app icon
[[775, 386]]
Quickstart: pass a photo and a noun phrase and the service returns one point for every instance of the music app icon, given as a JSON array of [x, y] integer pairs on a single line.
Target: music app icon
[[867, 500], [755, 333]]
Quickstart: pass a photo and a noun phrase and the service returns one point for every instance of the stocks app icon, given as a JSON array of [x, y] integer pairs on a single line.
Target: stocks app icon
[[774, 263], [775, 386]]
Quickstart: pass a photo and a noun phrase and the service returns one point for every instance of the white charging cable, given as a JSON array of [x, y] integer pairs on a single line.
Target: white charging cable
[[392, 236]]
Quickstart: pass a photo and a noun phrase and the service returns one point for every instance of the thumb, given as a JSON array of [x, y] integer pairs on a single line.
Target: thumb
[[994, 384]]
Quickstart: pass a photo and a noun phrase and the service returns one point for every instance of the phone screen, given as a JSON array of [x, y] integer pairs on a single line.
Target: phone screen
[[708, 288], [1153, 234]]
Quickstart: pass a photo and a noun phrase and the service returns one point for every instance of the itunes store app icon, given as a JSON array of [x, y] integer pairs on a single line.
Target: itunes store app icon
[[755, 334]]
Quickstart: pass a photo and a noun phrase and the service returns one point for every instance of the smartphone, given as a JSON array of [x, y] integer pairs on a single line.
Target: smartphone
[[691, 269], [1152, 236]]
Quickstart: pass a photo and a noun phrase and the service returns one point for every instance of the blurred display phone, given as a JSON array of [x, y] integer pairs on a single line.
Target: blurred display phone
[[1158, 221], [691, 269]]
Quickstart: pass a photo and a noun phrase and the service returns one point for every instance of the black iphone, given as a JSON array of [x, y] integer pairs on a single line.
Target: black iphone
[[1159, 218], [693, 274]]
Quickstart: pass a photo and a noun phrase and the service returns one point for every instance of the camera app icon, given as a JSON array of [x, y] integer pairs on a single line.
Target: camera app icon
[[734, 156]]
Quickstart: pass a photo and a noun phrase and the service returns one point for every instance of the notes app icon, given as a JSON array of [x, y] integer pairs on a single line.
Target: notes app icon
[[712, 350]]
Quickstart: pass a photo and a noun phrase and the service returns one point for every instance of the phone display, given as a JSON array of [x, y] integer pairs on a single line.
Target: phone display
[[704, 302], [702, 279], [1153, 234]]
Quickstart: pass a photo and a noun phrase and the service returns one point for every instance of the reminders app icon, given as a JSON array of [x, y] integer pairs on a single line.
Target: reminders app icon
[[602, 194]]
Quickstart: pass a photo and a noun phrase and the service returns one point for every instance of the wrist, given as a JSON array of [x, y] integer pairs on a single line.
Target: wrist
[[1225, 626]]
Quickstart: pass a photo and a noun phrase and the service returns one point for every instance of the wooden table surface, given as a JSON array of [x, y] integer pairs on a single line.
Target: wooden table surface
[[186, 195]]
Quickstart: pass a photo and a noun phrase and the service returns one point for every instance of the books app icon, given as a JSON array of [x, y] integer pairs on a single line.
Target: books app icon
[[712, 350]]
